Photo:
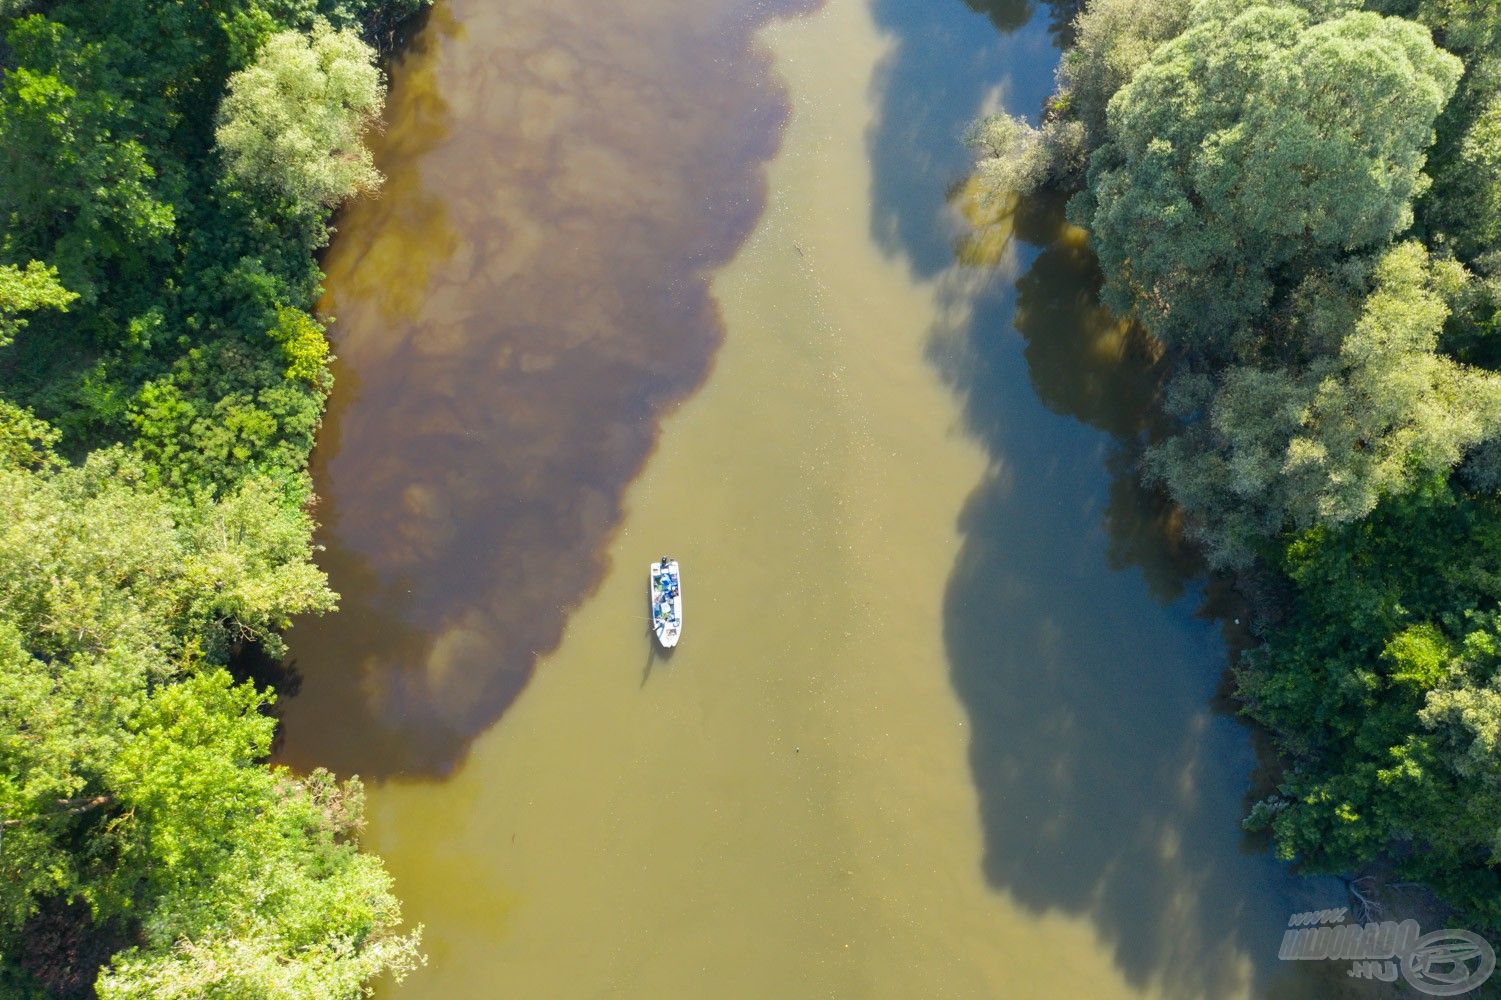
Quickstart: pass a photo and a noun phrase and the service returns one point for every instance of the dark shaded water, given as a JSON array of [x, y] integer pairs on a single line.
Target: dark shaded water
[[1112, 773]]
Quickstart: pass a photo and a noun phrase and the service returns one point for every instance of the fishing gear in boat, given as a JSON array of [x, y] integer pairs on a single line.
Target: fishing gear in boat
[[666, 590]]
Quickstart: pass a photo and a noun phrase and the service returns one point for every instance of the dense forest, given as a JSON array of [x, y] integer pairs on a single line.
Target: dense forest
[[1301, 203], [167, 172]]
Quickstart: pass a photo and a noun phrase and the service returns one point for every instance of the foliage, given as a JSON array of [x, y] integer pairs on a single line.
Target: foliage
[[1112, 40], [1466, 26], [1016, 159], [25, 441], [1321, 443], [25, 289], [291, 909], [226, 411], [75, 189], [294, 121], [110, 590], [164, 379], [1256, 143], [127, 770], [302, 342], [1382, 687]]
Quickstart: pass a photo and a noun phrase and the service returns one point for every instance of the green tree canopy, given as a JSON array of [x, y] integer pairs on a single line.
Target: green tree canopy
[[1258, 142], [1381, 687], [130, 772], [1113, 39], [75, 189], [294, 121], [23, 290], [1324, 442], [166, 346], [259, 892]]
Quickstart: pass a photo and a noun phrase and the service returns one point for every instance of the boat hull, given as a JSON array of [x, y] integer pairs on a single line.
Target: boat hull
[[665, 587]]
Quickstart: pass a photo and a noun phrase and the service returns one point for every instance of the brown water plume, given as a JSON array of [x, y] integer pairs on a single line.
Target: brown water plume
[[516, 310]]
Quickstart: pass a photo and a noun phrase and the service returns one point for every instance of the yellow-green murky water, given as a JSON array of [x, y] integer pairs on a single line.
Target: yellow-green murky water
[[941, 723], [783, 807]]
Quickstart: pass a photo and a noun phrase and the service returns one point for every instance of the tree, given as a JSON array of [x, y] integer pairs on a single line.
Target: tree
[[1374, 686], [25, 441], [1016, 159], [1323, 443], [1335, 397], [108, 589], [1461, 25], [24, 290], [304, 346], [1257, 143], [226, 412], [75, 188], [1113, 39], [136, 809], [1463, 206], [259, 891], [1379, 687], [294, 121], [130, 772]]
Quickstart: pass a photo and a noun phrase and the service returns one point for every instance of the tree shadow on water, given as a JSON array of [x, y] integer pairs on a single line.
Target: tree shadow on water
[[1009, 15], [1110, 772], [571, 188], [1111, 775], [1108, 374]]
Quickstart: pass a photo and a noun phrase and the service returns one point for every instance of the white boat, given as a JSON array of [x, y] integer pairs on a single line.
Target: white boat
[[666, 601]]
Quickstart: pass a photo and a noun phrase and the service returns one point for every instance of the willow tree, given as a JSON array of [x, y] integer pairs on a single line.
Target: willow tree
[[295, 120], [1260, 142], [1273, 446], [1113, 39]]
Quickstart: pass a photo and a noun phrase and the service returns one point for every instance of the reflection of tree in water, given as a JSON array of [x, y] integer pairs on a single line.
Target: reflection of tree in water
[[415, 238], [403, 237], [1085, 363], [1008, 15], [1109, 782]]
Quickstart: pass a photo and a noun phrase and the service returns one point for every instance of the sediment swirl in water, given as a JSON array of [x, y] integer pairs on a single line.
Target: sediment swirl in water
[[515, 312]]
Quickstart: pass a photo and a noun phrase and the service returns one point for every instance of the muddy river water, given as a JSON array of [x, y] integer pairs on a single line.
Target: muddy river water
[[654, 277]]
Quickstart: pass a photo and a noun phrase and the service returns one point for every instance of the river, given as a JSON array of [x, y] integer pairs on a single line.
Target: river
[[946, 719]]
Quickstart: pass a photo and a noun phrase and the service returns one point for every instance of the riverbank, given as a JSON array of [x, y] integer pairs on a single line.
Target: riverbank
[[166, 177], [1329, 412]]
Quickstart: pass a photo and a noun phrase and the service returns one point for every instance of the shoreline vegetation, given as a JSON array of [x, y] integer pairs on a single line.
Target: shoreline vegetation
[[1300, 202], [167, 175]]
